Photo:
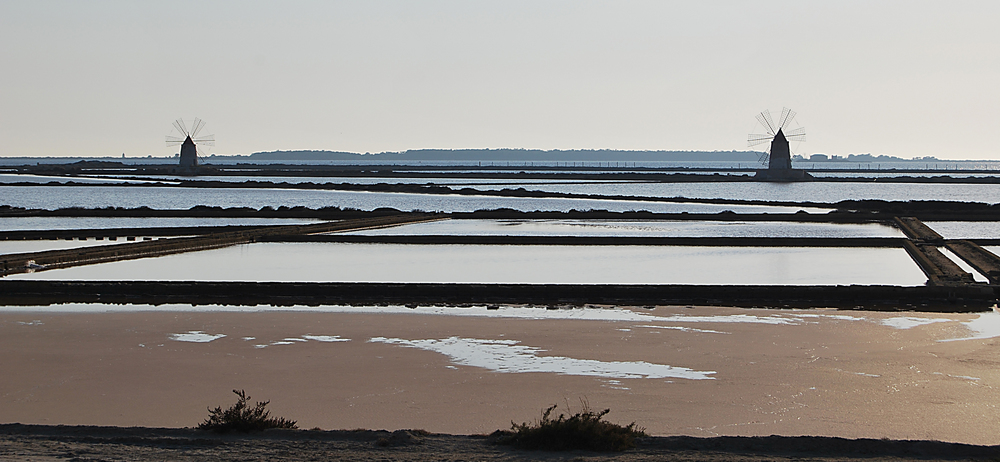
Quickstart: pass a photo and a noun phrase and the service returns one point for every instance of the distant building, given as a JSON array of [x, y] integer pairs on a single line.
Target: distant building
[[819, 158]]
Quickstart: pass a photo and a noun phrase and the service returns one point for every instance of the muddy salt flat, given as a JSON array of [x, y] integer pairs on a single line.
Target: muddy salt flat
[[676, 370]]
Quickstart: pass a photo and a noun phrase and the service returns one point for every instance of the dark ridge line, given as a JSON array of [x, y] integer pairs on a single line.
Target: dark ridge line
[[952, 299], [595, 240], [863, 213]]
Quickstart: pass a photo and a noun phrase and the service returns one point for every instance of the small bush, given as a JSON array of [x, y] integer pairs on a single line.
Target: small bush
[[243, 418], [583, 430]]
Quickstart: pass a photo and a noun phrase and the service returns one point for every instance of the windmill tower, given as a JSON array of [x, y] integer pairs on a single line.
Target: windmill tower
[[778, 157], [189, 141]]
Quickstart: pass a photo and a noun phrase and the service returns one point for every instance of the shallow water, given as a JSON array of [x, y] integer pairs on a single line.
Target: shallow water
[[42, 179], [9, 247], [332, 262], [793, 192], [53, 223], [624, 228], [966, 229], [340, 179], [54, 197]]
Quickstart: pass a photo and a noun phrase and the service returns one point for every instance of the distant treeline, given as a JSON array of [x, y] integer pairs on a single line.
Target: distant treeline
[[518, 155]]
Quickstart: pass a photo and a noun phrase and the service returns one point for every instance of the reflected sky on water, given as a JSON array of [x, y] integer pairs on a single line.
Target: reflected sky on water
[[332, 262], [54, 197], [623, 228]]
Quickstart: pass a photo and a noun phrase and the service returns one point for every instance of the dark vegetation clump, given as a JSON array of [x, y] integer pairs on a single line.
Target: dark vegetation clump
[[583, 430], [241, 417]]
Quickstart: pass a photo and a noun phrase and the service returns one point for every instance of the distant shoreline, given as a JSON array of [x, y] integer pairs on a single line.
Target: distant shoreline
[[496, 155]]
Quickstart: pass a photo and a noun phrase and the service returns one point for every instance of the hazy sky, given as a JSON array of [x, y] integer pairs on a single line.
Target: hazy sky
[[94, 78]]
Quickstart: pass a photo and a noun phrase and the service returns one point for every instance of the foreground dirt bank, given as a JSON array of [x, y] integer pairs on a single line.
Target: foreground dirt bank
[[43, 442]]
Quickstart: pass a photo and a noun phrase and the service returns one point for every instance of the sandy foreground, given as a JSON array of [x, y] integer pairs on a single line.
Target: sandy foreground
[[466, 371]]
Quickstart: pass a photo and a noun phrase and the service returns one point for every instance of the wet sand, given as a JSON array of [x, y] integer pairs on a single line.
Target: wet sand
[[762, 372]]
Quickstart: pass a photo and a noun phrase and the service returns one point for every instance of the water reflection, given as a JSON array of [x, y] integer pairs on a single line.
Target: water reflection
[[333, 262], [9, 247], [53, 197], [795, 192], [624, 228], [50, 223], [966, 229]]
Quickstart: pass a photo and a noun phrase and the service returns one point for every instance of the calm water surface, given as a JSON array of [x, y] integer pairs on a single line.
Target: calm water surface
[[9, 247], [622, 228], [319, 262], [966, 229], [53, 197], [793, 192], [52, 223]]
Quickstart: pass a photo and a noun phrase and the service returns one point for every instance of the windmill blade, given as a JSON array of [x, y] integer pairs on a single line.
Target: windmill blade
[[756, 139], [198, 125], [202, 152], [765, 119], [172, 139], [208, 140], [764, 157], [179, 125], [786, 117], [798, 134]]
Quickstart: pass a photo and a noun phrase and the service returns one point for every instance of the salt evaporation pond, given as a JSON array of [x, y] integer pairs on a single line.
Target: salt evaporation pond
[[9, 247], [334, 262], [342, 179], [826, 192], [626, 228], [55, 197], [813, 191], [54, 223], [42, 179], [966, 229]]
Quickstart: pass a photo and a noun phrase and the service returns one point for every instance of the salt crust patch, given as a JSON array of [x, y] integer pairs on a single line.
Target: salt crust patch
[[306, 338], [684, 329], [963, 377], [326, 338], [987, 325], [507, 356], [907, 322], [195, 336]]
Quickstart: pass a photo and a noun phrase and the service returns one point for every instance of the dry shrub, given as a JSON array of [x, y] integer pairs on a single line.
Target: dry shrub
[[241, 417], [583, 430]]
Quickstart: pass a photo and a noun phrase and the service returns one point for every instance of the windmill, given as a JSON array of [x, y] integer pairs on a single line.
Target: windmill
[[779, 134], [189, 141], [778, 157]]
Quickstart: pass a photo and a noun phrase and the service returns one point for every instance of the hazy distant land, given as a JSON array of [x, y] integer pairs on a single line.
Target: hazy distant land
[[488, 155]]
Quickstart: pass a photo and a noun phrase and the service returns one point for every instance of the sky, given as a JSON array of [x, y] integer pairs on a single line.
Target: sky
[[103, 78]]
